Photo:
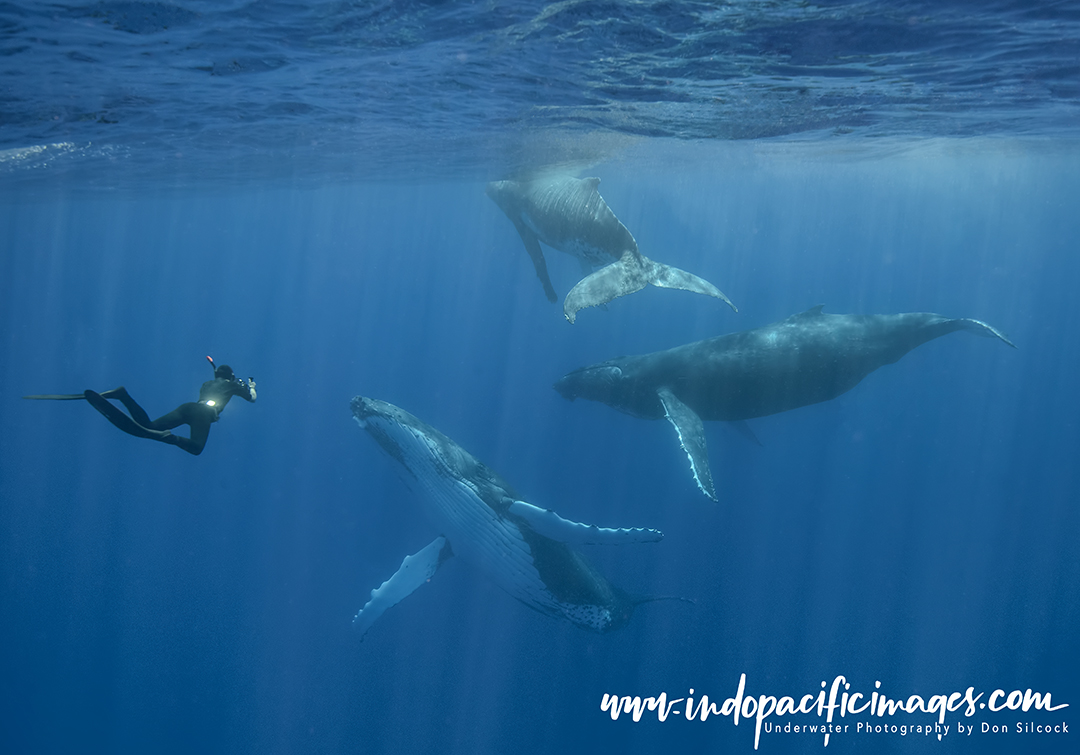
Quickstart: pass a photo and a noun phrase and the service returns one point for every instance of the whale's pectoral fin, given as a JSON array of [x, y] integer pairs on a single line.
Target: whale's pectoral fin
[[536, 254], [609, 282], [415, 571], [549, 524], [666, 276], [691, 432], [980, 328]]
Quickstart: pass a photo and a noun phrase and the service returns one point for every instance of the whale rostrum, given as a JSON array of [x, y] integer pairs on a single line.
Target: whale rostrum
[[568, 214], [523, 548], [805, 359]]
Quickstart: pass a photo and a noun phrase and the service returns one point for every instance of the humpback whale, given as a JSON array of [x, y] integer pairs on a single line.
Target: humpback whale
[[569, 214], [805, 359], [522, 547]]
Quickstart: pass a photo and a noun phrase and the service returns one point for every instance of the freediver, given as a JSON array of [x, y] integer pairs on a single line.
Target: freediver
[[198, 415]]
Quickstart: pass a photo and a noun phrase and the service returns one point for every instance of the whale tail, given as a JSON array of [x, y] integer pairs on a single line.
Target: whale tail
[[632, 272], [666, 276], [980, 328], [929, 326]]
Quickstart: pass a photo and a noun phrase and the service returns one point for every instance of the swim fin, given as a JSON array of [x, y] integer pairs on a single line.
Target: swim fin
[[57, 397]]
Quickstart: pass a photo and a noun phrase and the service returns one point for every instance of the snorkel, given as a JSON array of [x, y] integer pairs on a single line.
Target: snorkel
[[225, 372]]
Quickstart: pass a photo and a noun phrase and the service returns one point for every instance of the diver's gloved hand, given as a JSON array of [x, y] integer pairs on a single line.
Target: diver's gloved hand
[[251, 387]]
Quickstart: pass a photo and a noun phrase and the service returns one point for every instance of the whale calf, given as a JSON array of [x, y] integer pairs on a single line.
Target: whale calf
[[523, 548], [569, 214], [805, 359]]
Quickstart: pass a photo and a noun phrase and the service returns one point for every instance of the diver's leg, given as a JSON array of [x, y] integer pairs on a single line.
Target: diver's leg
[[198, 417], [194, 445], [175, 418], [121, 420]]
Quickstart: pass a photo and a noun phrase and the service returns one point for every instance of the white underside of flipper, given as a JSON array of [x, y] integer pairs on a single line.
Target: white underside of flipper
[[691, 431], [549, 524], [415, 571]]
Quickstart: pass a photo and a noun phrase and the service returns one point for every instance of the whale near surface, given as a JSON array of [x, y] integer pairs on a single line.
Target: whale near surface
[[805, 359], [523, 548], [568, 214]]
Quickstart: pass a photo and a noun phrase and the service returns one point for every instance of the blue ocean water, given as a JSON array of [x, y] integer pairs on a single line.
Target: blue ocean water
[[298, 190]]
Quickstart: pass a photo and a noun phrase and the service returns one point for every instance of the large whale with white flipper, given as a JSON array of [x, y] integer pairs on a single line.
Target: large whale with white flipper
[[523, 548], [807, 358], [569, 214]]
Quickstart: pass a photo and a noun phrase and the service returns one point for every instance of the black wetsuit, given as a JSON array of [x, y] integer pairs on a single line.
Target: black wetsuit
[[198, 415]]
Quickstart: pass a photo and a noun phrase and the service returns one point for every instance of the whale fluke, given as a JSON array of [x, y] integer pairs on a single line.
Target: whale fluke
[[632, 272], [666, 276], [980, 328], [568, 214]]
